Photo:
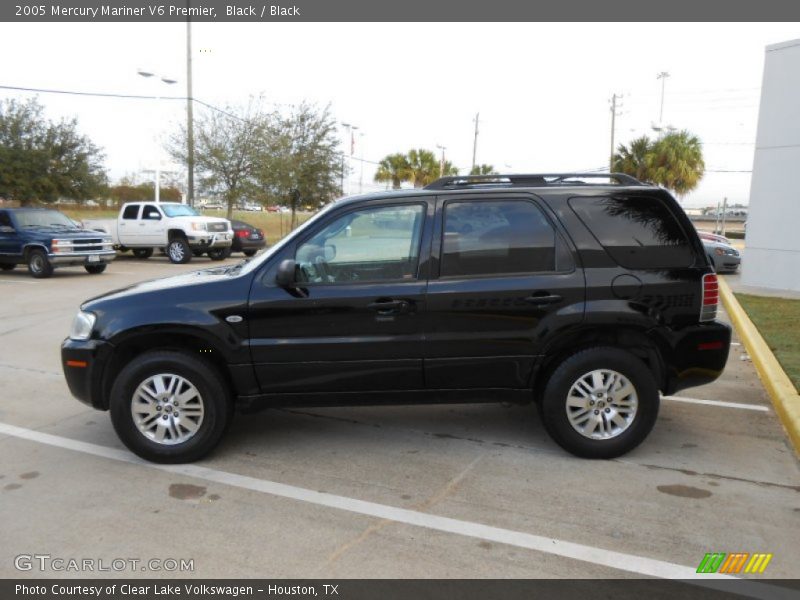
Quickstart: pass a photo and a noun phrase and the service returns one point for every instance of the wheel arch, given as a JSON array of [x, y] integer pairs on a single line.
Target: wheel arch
[[638, 341], [191, 342]]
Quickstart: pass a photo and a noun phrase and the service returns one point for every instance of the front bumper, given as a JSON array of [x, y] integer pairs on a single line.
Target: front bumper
[[67, 259], [84, 364], [203, 241]]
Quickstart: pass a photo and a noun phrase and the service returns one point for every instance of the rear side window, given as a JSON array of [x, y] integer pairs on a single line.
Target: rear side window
[[638, 232], [497, 237], [131, 212]]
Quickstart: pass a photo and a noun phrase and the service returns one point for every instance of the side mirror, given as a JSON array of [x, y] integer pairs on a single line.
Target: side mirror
[[285, 277]]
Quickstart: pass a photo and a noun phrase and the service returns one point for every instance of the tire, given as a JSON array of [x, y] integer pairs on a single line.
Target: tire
[[219, 253], [207, 396], [95, 269], [178, 251], [7, 267], [250, 252], [38, 264], [613, 435], [142, 253], [197, 253]]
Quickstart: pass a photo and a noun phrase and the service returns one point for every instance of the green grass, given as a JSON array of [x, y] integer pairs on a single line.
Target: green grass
[[777, 319], [274, 225]]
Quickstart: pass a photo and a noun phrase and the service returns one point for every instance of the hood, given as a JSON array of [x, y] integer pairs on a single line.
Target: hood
[[183, 280], [65, 233]]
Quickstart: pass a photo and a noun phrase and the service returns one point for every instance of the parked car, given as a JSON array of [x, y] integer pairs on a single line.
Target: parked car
[[246, 238], [44, 239], [588, 298], [179, 229], [723, 257], [713, 237]]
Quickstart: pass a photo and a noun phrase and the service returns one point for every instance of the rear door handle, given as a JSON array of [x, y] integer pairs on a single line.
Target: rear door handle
[[389, 306], [543, 299]]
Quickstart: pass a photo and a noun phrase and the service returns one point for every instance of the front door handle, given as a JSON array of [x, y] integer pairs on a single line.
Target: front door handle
[[543, 299], [388, 306]]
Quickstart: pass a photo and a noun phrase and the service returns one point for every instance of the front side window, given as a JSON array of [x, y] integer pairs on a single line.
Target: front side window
[[151, 213], [371, 244], [496, 237], [131, 212], [638, 232], [5, 220]]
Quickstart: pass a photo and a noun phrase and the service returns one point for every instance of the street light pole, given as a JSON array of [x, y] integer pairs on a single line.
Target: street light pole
[[663, 77], [157, 137], [441, 162], [475, 140], [351, 134]]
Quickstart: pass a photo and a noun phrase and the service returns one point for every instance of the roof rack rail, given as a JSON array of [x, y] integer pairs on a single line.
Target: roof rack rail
[[526, 180]]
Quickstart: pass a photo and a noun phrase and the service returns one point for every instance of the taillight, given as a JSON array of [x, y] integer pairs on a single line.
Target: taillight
[[710, 298], [241, 233]]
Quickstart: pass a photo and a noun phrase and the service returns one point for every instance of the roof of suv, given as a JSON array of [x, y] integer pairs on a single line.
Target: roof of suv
[[538, 181]]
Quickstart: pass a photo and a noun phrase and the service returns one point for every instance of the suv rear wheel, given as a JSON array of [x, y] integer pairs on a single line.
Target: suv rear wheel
[[143, 253], [219, 253], [169, 407], [600, 403]]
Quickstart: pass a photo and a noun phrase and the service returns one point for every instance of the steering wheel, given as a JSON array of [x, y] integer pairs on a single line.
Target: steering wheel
[[321, 268]]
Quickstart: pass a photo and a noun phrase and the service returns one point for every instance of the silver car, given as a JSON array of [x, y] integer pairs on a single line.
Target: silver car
[[724, 257]]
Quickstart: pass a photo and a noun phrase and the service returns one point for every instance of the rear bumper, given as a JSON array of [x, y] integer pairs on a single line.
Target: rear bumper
[[699, 355], [240, 244], [84, 364]]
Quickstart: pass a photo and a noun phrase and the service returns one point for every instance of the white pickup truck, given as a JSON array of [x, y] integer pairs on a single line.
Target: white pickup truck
[[178, 229]]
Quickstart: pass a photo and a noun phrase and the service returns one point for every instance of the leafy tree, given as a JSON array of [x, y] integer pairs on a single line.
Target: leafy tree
[[228, 149], [300, 160], [483, 170], [393, 168], [449, 169], [42, 160], [674, 160]]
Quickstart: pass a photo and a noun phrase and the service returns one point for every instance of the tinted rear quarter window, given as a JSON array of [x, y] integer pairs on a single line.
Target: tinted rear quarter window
[[638, 232]]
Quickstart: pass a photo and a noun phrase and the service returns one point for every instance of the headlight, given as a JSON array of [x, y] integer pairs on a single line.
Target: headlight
[[196, 226], [719, 251], [82, 326], [60, 246]]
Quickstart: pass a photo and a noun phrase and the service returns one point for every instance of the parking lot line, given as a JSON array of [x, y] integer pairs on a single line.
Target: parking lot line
[[599, 556], [757, 407]]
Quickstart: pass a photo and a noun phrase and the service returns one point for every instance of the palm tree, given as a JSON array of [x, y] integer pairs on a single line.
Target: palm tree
[[674, 161], [393, 168], [449, 170], [483, 170], [677, 162], [423, 167], [633, 159]]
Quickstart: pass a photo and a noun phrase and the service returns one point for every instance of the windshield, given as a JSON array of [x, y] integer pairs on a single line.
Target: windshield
[[179, 210], [251, 265], [43, 218]]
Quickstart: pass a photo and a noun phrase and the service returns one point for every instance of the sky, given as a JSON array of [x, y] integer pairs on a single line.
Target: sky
[[542, 89]]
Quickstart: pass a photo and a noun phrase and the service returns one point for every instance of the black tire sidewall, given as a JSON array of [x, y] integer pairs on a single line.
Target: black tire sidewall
[[95, 269], [219, 253], [250, 252], [553, 404], [47, 268], [142, 253], [213, 391]]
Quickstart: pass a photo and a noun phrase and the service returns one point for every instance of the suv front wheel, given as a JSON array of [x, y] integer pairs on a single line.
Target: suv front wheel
[[169, 407], [600, 403]]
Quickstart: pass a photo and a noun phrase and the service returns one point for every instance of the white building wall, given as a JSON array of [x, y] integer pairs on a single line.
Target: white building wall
[[772, 253]]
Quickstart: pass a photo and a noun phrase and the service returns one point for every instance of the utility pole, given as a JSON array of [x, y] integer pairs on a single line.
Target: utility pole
[[663, 77], [189, 115], [475, 142], [614, 115]]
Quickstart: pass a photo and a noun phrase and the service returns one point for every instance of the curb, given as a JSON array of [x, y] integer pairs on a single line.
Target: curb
[[784, 396]]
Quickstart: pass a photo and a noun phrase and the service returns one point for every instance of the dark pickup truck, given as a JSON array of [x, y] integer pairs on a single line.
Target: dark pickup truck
[[44, 239]]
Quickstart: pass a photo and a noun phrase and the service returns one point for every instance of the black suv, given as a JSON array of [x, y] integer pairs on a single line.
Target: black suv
[[587, 294]]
